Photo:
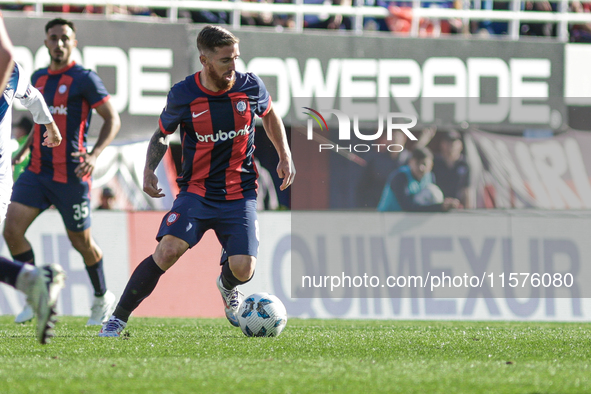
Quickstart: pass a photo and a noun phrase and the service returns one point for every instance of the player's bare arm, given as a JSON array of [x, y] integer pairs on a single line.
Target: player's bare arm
[[110, 128], [156, 150], [52, 136], [276, 131], [33, 100]]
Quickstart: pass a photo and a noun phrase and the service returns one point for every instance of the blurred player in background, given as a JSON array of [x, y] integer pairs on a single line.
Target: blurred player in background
[[41, 285], [20, 132], [107, 199], [62, 176], [216, 110], [381, 164], [451, 169]]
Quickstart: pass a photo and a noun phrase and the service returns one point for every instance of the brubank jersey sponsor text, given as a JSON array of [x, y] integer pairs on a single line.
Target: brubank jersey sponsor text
[[222, 135]]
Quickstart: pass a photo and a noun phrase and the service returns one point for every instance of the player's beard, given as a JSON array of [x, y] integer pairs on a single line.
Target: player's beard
[[57, 59], [220, 81]]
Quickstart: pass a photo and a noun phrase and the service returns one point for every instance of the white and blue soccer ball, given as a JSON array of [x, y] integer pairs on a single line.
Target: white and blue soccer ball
[[430, 195], [262, 315]]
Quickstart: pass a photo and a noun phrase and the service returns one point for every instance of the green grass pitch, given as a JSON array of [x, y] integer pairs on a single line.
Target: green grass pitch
[[311, 356]]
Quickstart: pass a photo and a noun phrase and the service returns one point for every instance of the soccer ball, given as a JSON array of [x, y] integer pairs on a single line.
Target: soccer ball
[[430, 195], [262, 315]]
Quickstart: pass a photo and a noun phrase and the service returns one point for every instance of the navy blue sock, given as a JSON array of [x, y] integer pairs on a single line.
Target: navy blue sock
[[25, 257], [228, 279], [9, 271], [141, 284], [97, 278]]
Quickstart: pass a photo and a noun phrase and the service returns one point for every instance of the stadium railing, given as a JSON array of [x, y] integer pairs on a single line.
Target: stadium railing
[[514, 15]]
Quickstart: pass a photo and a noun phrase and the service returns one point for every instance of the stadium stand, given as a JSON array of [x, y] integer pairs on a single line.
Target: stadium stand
[[415, 18]]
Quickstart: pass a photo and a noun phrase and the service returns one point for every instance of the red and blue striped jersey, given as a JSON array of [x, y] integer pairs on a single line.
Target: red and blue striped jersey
[[70, 93], [217, 135]]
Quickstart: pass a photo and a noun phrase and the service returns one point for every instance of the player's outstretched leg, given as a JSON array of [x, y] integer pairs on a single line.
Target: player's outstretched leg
[[141, 284], [27, 314], [232, 300], [104, 300], [42, 286], [227, 283]]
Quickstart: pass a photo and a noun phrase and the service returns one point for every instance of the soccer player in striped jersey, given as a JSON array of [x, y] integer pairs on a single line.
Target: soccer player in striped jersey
[[40, 285], [62, 176], [215, 109]]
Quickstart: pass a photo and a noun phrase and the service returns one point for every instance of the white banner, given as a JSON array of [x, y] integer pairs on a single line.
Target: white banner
[[488, 246], [459, 245]]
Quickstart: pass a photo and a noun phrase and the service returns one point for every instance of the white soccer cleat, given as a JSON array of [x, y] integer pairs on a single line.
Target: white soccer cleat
[[42, 296], [112, 328], [232, 300], [26, 314], [101, 309]]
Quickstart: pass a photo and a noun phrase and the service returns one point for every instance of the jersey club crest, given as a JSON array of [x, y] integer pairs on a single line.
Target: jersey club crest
[[172, 217], [241, 107]]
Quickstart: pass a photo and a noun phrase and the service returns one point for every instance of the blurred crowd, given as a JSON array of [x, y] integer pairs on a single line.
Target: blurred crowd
[[398, 20], [428, 175]]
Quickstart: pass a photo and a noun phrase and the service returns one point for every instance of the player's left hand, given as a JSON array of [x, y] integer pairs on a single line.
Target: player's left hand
[[86, 167], [52, 136], [286, 171], [151, 185]]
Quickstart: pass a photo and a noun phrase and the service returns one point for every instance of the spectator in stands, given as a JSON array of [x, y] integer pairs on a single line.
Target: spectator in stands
[[284, 20], [375, 24], [454, 25], [400, 21], [380, 164], [451, 170], [140, 11], [334, 22], [87, 9], [546, 29], [20, 132], [128, 10], [498, 27], [412, 188], [257, 18], [17, 7], [107, 199], [210, 17], [580, 32]]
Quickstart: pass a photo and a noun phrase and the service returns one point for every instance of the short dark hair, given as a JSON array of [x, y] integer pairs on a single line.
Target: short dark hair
[[108, 192], [212, 37], [61, 22], [420, 154]]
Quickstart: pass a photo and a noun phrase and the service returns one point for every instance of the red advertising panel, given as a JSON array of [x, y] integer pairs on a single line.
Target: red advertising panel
[[188, 289]]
